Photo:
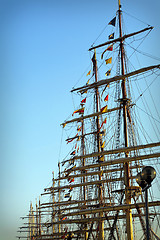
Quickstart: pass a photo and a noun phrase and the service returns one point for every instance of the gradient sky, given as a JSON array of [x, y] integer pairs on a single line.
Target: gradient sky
[[44, 50]]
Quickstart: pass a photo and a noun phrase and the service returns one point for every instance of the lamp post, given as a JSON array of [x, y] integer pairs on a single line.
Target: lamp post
[[144, 180]]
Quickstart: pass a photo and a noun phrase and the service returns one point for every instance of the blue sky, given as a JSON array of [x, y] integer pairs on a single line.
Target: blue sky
[[44, 50]]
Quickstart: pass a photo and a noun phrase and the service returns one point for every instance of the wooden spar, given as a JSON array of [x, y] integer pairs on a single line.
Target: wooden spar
[[116, 78], [88, 183], [114, 151], [108, 163], [73, 202], [73, 231], [123, 207], [95, 219], [91, 173], [83, 184], [96, 172], [121, 38], [91, 115], [76, 206], [119, 161], [83, 135], [88, 221]]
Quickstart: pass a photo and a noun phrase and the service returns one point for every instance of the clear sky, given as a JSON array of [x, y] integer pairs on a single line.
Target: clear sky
[[43, 52]]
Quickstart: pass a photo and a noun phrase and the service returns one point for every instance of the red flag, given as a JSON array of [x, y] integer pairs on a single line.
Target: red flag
[[84, 100], [105, 120], [106, 98], [72, 180], [110, 48], [81, 110], [68, 141]]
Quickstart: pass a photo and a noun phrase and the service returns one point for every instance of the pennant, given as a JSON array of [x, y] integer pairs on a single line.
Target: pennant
[[73, 153], [109, 60], [81, 110], [70, 198], [79, 138], [67, 195], [108, 72], [110, 48], [104, 132], [104, 109], [71, 161], [89, 73], [70, 189], [111, 36], [101, 159], [112, 22], [78, 149], [84, 100], [83, 91], [93, 58], [105, 120], [103, 144], [76, 146], [79, 129], [87, 82], [102, 173], [106, 98], [72, 180], [72, 139], [64, 218], [104, 90]]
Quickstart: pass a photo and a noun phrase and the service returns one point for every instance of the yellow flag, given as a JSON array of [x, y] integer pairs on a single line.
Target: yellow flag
[[101, 159], [83, 91], [87, 82], [103, 144], [104, 109], [109, 60], [89, 73]]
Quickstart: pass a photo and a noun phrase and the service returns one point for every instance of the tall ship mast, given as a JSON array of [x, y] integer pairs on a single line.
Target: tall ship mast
[[96, 194]]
